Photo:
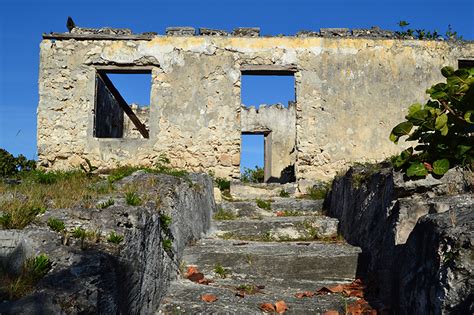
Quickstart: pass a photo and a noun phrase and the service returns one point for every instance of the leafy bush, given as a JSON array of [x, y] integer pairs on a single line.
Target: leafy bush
[[222, 183], [253, 175], [442, 127], [425, 34], [10, 165], [56, 224]]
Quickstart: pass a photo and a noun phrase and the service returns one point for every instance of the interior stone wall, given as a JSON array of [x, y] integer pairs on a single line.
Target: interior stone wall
[[350, 92]]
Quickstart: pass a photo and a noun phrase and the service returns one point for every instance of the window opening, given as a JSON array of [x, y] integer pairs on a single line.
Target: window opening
[[122, 103]]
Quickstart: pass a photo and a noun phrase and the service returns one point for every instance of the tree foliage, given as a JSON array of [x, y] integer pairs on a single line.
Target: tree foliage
[[10, 165], [443, 127]]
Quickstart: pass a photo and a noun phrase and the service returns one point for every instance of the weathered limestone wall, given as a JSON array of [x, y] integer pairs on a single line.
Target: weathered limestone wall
[[279, 126], [350, 92]]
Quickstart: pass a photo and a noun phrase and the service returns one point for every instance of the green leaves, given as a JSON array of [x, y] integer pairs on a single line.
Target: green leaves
[[417, 170], [402, 129], [440, 167], [442, 127], [447, 71]]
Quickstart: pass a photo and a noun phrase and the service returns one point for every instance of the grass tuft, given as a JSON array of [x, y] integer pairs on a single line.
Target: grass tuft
[[56, 224], [222, 214]]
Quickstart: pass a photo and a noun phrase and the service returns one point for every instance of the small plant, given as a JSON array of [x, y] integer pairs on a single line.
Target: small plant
[[288, 213], [222, 183], [13, 287], [114, 238], [318, 191], [442, 127], [221, 271], [284, 193], [88, 169], [255, 175], [167, 244], [265, 205], [79, 233], [132, 198], [165, 221], [121, 172], [20, 216], [162, 166], [222, 214], [249, 288], [56, 224], [106, 204]]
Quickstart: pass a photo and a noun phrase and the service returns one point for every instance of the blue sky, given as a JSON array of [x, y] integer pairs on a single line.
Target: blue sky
[[23, 22]]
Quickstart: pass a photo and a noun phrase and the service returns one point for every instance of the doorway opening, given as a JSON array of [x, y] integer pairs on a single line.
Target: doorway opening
[[255, 162]]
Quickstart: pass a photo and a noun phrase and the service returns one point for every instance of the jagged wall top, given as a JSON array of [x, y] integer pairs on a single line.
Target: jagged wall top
[[127, 34]]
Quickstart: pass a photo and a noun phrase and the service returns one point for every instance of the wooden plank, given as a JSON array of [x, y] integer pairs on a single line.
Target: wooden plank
[[123, 104], [125, 69], [268, 69], [96, 36]]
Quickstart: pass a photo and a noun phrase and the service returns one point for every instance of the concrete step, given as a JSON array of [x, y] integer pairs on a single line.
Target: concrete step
[[184, 297], [309, 261], [248, 191], [250, 208], [302, 228]]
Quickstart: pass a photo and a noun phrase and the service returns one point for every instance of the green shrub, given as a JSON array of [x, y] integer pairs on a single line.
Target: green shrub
[[222, 183], [114, 238], [266, 205], [10, 165], [318, 191], [253, 175], [56, 224], [132, 198], [442, 127]]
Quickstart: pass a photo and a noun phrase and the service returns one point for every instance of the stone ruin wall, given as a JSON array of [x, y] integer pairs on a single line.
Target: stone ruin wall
[[350, 92]]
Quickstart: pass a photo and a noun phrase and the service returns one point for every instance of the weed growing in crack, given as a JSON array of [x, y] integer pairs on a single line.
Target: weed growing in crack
[[114, 238], [56, 224]]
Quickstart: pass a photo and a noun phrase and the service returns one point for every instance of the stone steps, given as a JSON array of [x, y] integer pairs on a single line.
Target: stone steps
[[250, 208], [314, 261], [295, 228], [185, 298], [285, 254]]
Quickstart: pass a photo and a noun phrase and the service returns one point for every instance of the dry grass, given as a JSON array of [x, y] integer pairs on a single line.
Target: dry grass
[[39, 191]]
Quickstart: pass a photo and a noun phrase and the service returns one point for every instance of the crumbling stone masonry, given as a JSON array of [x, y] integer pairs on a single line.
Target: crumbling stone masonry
[[351, 88]]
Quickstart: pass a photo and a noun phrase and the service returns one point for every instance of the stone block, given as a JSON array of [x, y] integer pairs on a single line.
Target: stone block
[[180, 31], [212, 32], [335, 32], [246, 32]]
